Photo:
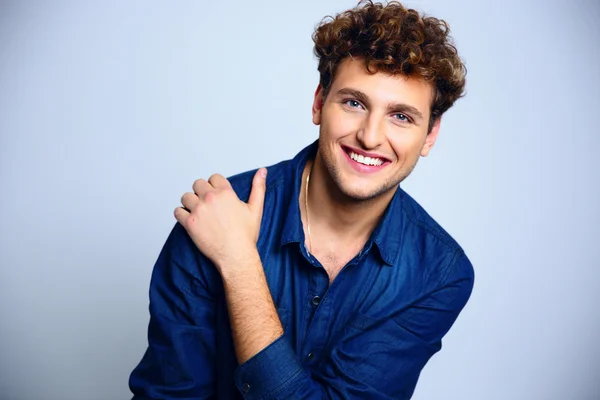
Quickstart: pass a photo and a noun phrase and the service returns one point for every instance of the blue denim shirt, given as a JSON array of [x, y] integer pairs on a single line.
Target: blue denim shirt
[[367, 336]]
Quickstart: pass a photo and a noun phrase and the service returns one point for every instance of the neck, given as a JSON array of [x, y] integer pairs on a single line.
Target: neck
[[332, 212]]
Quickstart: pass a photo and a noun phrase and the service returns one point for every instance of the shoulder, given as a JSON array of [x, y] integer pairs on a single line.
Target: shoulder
[[279, 175], [436, 246], [419, 220], [276, 177]]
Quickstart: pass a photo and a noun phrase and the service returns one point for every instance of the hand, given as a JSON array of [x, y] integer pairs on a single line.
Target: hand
[[224, 228]]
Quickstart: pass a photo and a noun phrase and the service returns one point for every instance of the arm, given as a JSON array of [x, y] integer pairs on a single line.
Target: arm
[[254, 320], [179, 360], [377, 360]]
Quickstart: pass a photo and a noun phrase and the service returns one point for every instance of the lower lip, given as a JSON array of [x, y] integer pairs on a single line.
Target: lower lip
[[367, 169]]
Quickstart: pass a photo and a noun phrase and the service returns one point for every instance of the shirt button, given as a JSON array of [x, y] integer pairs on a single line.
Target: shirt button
[[246, 387], [310, 356], [315, 301]]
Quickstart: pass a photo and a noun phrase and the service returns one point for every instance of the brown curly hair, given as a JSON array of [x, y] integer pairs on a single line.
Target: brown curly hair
[[395, 40]]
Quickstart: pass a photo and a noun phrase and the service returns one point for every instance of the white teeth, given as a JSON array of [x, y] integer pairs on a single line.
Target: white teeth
[[365, 160]]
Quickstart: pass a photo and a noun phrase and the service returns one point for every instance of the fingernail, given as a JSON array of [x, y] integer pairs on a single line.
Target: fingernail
[[263, 172]]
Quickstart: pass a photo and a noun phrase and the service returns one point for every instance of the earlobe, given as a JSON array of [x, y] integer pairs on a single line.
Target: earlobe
[[431, 137], [317, 105]]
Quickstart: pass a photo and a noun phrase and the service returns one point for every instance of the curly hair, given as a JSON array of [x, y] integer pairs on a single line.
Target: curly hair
[[394, 40]]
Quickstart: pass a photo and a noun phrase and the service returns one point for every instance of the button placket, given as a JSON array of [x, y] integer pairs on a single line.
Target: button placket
[[317, 309]]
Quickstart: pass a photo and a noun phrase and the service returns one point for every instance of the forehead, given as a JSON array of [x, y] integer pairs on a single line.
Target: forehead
[[383, 88]]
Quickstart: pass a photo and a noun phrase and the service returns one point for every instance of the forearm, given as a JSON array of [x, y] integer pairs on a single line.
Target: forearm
[[252, 313], [379, 359]]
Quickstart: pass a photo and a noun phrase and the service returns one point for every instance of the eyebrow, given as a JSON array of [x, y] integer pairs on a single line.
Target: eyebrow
[[393, 107]]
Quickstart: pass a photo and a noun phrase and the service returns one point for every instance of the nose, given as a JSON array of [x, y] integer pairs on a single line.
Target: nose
[[370, 133]]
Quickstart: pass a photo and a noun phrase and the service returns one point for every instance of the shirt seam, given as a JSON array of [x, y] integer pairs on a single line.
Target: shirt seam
[[443, 280], [458, 253], [282, 386], [450, 243]]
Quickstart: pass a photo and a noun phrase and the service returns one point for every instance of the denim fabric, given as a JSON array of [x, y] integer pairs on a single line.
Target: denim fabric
[[367, 336]]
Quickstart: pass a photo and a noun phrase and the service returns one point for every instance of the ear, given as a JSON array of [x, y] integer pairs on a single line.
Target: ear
[[431, 137], [317, 105]]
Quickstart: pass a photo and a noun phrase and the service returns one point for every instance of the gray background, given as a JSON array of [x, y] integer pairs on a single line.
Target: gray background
[[110, 110]]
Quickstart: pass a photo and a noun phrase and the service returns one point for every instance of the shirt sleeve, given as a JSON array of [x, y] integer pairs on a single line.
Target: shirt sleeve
[[179, 361], [375, 359]]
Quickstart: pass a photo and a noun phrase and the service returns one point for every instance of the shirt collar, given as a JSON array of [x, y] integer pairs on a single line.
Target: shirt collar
[[386, 235], [292, 228]]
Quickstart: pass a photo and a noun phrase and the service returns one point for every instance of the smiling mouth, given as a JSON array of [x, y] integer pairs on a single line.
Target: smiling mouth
[[364, 160]]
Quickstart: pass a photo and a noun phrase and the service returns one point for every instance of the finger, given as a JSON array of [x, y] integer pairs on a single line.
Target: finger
[[256, 200], [201, 187], [218, 181], [190, 201], [181, 215]]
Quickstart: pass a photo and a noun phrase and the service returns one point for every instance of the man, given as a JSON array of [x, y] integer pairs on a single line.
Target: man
[[323, 279]]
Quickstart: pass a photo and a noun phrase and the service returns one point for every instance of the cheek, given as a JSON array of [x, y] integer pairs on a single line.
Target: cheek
[[406, 146], [340, 123]]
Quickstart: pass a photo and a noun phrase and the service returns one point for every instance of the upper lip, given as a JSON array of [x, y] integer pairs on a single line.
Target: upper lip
[[364, 153]]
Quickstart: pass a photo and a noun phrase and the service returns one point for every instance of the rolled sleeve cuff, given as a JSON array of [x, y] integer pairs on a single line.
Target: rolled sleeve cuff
[[269, 371]]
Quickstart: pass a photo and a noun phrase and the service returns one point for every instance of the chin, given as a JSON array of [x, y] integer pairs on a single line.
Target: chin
[[355, 193]]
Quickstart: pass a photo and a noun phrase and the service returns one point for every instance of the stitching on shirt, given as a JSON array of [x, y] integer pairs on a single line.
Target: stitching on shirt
[[458, 253], [281, 387], [442, 236], [443, 280]]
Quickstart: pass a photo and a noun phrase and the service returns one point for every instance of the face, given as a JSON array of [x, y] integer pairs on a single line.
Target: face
[[373, 129]]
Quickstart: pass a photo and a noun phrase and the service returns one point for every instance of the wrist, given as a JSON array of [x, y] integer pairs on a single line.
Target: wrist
[[241, 263]]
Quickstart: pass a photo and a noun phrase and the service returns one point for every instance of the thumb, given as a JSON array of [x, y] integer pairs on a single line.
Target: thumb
[[256, 200]]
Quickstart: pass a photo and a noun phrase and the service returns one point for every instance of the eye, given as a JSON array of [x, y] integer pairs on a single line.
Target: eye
[[401, 117], [352, 103]]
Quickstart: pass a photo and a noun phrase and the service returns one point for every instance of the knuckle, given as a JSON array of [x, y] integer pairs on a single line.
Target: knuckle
[[210, 197], [189, 220]]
